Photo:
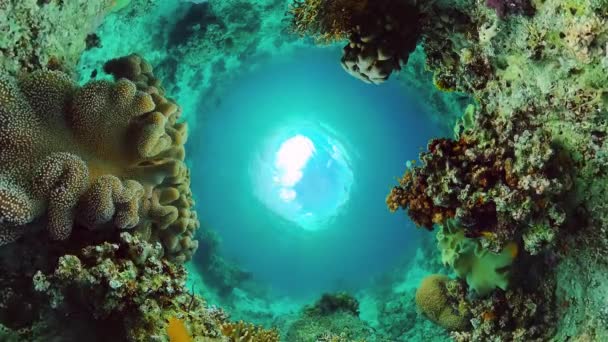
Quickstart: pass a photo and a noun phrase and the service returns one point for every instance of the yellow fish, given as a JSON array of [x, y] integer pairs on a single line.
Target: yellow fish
[[177, 331]]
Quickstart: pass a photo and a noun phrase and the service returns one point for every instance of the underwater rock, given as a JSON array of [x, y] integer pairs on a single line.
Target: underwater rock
[[66, 147], [333, 303], [332, 318], [32, 38]]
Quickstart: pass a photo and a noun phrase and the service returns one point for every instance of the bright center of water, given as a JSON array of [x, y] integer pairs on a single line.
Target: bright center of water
[[303, 174]]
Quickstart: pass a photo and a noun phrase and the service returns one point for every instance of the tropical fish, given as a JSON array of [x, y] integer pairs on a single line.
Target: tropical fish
[[177, 331]]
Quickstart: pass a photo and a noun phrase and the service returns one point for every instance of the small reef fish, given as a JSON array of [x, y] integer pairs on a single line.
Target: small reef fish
[[177, 331]]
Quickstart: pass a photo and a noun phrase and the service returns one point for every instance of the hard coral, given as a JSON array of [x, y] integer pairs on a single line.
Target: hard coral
[[108, 154], [488, 184], [381, 34], [244, 332], [433, 299], [129, 286], [332, 303]]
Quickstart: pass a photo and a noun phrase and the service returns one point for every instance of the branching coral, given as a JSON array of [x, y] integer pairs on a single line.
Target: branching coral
[[108, 154], [128, 285], [244, 332], [326, 21], [496, 184]]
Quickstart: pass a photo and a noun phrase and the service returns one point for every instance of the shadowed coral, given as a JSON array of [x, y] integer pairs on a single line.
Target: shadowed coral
[[433, 300], [509, 7], [381, 34], [100, 155]]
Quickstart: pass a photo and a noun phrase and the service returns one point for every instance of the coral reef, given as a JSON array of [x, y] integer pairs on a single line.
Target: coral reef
[[482, 269], [381, 34], [433, 299], [332, 303], [499, 184], [218, 273], [46, 34], [108, 154], [100, 169], [241, 331], [332, 318], [508, 7]]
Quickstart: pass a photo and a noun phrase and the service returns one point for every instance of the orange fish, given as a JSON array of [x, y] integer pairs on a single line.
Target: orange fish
[[177, 331]]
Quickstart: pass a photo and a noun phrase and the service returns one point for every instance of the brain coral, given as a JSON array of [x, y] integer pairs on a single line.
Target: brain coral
[[433, 300], [107, 154]]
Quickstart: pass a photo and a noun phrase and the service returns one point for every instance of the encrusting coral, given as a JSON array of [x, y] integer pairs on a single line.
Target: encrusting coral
[[107, 154], [46, 34]]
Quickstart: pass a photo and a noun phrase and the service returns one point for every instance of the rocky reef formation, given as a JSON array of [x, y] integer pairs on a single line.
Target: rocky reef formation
[[47, 34], [333, 318], [517, 187], [381, 34]]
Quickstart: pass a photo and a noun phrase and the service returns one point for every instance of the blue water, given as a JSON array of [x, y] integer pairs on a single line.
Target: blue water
[[233, 150]]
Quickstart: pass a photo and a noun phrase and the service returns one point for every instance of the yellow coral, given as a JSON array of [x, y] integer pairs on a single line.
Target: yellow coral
[[105, 154], [243, 332], [433, 301]]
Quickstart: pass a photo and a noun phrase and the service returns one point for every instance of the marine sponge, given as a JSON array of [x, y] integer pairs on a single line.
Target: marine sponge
[[107, 154], [433, 300]]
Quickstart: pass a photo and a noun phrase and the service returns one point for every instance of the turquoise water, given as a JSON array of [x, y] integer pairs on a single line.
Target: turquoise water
[[292, 167]]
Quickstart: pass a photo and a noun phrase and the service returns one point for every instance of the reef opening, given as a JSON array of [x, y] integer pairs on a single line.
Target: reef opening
[[301, 180], [303, 173]]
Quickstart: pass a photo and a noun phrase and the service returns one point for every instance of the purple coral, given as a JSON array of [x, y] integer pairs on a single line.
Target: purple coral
[[509, 7]]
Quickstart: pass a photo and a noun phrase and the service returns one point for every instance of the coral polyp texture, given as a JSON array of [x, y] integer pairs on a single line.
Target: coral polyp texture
[[381, 34], [434, 300], [107, 155], [505, 183]]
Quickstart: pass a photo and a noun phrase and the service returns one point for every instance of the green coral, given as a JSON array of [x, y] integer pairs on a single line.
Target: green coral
[[483, 270]]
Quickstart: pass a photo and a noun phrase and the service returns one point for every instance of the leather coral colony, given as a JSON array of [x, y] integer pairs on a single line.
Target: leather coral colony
[[105, 155]]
